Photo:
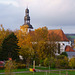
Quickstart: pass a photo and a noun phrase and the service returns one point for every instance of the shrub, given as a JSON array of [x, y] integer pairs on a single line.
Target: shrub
[[49, 62], [2, 67], [41, 62], [62, 63], [64, 53], [72, 63], [20, 66], [52, 62], [46, 62], [9, 67], [60, 57]]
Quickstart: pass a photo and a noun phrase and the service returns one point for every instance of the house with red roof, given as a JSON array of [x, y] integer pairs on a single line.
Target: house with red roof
[[61, 40], [64, 45]]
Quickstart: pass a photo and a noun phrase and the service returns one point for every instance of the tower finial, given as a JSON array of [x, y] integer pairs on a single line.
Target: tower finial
[[27, 6]]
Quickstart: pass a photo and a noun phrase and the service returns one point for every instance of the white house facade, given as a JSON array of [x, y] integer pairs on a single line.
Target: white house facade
[[63, 45], [62, 41]]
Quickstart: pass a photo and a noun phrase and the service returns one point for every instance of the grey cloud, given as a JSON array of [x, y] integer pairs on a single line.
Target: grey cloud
[[51, 14], [10, 16]]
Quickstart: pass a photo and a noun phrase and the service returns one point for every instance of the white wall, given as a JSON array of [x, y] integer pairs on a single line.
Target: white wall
[[63, 44]]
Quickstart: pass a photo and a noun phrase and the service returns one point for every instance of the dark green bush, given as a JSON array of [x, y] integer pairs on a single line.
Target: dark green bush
[[64, 53], [62, 63], [60, 56], [2, 68], [20, 66]]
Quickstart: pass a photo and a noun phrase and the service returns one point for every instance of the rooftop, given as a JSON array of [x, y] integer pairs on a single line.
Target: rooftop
[[60, 33], [56, 34], [69, 49]]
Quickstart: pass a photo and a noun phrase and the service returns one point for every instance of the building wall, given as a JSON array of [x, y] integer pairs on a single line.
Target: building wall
[[63, 44]]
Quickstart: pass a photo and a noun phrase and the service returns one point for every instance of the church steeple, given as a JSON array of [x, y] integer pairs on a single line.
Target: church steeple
[[26, 27], [27, 18]]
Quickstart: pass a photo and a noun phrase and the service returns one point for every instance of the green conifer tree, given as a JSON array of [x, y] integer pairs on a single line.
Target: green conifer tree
[[9, 47]]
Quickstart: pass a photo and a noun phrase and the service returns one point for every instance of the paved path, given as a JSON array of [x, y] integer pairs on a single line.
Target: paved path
[[54, 70]]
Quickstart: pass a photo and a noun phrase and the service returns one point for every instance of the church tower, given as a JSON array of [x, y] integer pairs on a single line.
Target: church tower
[[26, 27]]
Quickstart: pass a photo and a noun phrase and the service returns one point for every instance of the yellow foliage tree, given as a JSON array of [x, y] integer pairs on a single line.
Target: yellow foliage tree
[[40, 34], [24, 42], [44, 45], [72, 62], [3, 33], [24, 39]]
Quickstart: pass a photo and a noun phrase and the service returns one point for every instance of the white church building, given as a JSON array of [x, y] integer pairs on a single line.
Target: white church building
[[62, 41], [64, 45]]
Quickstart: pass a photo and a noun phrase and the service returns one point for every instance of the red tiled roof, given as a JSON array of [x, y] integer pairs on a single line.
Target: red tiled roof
[[59, 33], [69, 49]]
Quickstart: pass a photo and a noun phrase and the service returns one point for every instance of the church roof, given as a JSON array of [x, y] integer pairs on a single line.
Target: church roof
[[27, 10], [29, 25], [69, 49], [60, 33]]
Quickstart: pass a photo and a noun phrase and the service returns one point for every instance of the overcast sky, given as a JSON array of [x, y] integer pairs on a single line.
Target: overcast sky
[[55, 14]]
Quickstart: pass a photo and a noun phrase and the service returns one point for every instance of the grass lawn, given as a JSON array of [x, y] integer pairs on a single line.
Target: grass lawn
[[64, 72], [41, 73], [1, 71], [71, 72], [19, 70], [43, 68], [37, 67], [36, 73], [16, 70], [44, 73]]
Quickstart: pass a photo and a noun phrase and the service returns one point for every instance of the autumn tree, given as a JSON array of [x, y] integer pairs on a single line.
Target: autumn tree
[[39, 34], [3, 33], [72, 62], [62, 62], [39, 41], [53, 40], [44, 44], [9, 47], [26, 50]]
